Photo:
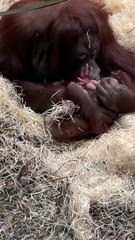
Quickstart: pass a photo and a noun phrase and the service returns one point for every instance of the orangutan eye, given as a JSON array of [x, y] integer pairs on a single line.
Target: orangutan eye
[[83, 56]]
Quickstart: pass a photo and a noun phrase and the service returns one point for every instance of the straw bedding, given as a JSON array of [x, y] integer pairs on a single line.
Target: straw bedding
[[52, 191]]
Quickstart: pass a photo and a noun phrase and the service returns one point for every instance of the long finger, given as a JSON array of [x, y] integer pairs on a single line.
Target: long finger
[[82, 72], [101, 98], [86, 70], [101, 90]]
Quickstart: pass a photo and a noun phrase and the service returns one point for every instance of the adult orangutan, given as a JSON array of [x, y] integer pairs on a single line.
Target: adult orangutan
[[41, 47]]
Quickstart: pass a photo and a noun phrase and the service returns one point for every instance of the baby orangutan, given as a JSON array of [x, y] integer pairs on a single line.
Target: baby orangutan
[[95, 120], [109, 97]]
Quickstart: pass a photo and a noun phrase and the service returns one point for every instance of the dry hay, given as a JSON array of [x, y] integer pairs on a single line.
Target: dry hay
[[51, 191]]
